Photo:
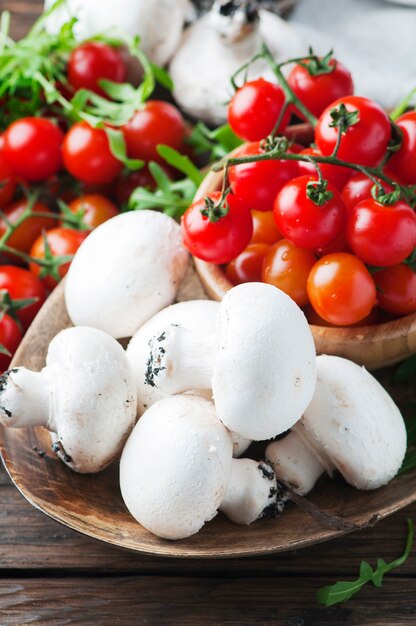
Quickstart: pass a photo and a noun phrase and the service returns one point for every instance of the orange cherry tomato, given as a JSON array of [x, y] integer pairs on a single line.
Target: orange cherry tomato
[[24, 236], [341, 289], [95, 209], [396, 289], [287, 267], [313, 318], [264, 228], [247, 266], [62, 242]]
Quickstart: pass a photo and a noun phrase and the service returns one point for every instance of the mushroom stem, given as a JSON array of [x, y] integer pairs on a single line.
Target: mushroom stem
[[24, 399], [293, 463], [252, 492], [181, 359]]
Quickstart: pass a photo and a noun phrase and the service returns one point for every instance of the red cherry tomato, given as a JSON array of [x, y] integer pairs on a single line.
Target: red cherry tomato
[[7, 179], [302, 221], [317, 92], [340, 244], [359, 188], [287, 267], [264, 228], [336, 174], [87, 155], [255, 108], [62, 242], [256, 184], [364, 143], [93, 61], [396, 289], [10, 337], [403, 162], [24, 236], [155, 123], [95, 209], [32, 147], [247, 266], [22, 285], [341, 289], [382, 235], [221, 241]]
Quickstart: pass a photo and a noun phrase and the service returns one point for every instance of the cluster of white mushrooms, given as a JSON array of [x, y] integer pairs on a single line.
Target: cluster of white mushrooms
[[205, 379]]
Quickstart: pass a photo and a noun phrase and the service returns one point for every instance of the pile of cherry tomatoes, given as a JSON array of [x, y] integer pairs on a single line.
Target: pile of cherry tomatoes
[[341, 242], [46, 161]]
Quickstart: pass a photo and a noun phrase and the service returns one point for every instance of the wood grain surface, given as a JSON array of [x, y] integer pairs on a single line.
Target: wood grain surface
[[53, 576]]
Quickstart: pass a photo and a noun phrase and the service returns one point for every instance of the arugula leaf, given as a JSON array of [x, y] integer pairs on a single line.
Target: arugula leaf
[[181, 162], [173, 198], [162, 77], [217, 143], [344, 590], [119, 150]]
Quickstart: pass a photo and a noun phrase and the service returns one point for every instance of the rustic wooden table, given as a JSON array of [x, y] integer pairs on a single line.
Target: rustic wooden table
[[51, 575]]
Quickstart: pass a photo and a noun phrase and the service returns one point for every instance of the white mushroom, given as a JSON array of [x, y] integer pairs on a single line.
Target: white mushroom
[[176, 466], [293, 464], [159, 24], [352, 425], [197, 315], [85, 396], [252, 492], [217, 45], [127, 269], [260, 363], [240, 444]]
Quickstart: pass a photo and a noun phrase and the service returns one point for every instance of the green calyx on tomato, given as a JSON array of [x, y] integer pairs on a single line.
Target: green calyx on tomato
[[215, 210], [343, 119], [318, 192], [318, 66]]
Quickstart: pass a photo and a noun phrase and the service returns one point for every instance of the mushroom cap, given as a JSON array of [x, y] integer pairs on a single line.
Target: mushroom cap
[[176, 466], [251, 492], [353, 425], [126, 270], [265, 367], [159, 24], [293, 463], [93, 400], [204, 61], [197, 315]]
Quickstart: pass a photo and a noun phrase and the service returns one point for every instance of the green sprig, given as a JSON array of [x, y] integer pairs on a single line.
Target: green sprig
[[344, 590]]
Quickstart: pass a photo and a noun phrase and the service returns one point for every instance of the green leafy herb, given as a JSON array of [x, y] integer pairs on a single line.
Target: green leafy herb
[[171, 197], [119, 150], [181, 163], [344, 590], [217, 143]]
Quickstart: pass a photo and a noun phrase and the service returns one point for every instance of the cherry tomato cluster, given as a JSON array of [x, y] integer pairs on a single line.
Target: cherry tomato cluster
[[60, 179], [331, 224]]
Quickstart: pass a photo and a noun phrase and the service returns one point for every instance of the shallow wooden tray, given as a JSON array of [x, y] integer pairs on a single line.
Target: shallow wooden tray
[[92, 505]]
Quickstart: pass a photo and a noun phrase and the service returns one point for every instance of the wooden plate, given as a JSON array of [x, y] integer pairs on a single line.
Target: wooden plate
[[92, 505]]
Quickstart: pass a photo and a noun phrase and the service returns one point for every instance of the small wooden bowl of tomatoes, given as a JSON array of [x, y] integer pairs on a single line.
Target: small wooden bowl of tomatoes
[[379, 340]]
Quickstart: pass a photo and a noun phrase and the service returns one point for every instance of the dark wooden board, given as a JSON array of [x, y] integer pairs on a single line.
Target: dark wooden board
[[193, 601]]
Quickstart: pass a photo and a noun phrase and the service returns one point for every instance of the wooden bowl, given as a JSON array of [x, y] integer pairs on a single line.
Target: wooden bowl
[[373, 346], [92, 504]]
